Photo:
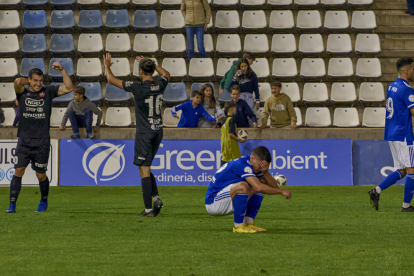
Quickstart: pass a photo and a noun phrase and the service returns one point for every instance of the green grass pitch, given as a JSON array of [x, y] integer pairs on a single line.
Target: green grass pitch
[[95, 231]]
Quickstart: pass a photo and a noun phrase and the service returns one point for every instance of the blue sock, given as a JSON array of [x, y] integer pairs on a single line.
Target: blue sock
[[76, 133], [390, 180], [240, 205], [253, 206], [409, 188]]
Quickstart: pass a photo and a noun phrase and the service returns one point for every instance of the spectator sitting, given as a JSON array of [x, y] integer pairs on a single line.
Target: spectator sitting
[[248, 83], [17, 118], [211, 106], [243, 111], [191, 111], [80, 113], [280, 109]]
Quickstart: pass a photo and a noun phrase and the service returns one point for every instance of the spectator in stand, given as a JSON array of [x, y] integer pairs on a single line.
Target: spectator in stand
[[243, 111], [211, 106], [17, 118], [192, 111], [197, 15], [410, 7], [280, 109], [248, 83]]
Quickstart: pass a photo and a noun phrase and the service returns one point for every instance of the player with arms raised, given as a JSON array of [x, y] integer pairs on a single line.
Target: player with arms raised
[[148, 95], [240, 186], [399, 133], [33, 146]]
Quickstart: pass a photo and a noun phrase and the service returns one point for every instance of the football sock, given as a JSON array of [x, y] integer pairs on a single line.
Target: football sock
[[154, 186], [147, 192], [248, 220], [253, 206], [44, 189], [408, 189], [240, 205], [15, 187], [390, 180]]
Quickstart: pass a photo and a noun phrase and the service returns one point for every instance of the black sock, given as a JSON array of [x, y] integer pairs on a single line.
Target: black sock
[[154, 185], [147, 192], [44, 189], [15, 187]]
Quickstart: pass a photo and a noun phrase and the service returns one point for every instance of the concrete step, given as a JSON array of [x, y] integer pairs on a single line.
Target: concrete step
[[395, 29], [397, 43], [395, 20]]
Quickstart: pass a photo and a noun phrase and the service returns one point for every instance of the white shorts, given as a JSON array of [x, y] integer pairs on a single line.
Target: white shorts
[[403, 154], [222, 204]]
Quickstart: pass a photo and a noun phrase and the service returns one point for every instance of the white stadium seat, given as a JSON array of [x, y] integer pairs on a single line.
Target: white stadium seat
[[168, 119], [306, 2], [135, 72], [9, 20], [90, 43], [312, 68], [173, 43], [308, 20], [256, 43], [343, 92], [368, 68], [360, 2], [332, 3], [118, 117], [340, 67], [89, 68], [265, 91], [280, 20], [292, 90], [7, 93], [228, 43], [254, 20], [224, 65], [367, 43], [146, 43], [259, 114], [371, 92], [118, 43], [336, 20], [176, 66], [171, 19], [227, 20], [315, 92], [298, 117], [252, 3], [89, 2], [362, 20], [374, 117], [9, 44], [208, 43], [318, 117], [225, 3], [9, 115], [311, 44], [8, 68], [346, 117], [283, 43], [169, 2], [284, 67], [120, 67], [57, 116], [276, 3], [339, 43], [201, 68], [261, 67]]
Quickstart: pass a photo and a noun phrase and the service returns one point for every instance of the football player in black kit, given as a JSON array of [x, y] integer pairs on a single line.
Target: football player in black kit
[[33, 131], [148, 96]]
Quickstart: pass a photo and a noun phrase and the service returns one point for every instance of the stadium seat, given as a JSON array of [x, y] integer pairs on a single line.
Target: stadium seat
[[363, 20], [368, 68], [306, 3], [120, 68], [118, 43], [34, 45], [367, 44], [146, 43], [201, 68], [115, 94], [90, 21], [62, 44], [9, 21], [250, 4], [34, 21], [346, 117], [292, 90], [8, 68], [168, 119], [283, 44], [90, 45], [311, 44], [254, 20], [265, 91], [173, 43], [336, 20], [67, 63], [274, 4], [227, 21], [60, 4], [117, 4], [308, 20], [35, 4], [208, 43], [7, 93], [316, 92], [332, 3], [93, 91], [9, 115], [256, 43], [62, 21], [371, 92], [175, 92], [30, 63], [57, 116], [261, 67], [284, 67], [312, 68], [342, 92], [198, 85], [219, 4], [172, 20], [118, 116], [9, 4], [339, 44], [136, 68], [225, 97], [259, 115], [62, 99], [145, 20], [88, 4], [228, 44], [223, 65], [298, 117], [318, 117], [281, 20], [169, 3], [176, 66], [9, 45], [374, 117], [340, 68], [117, 20], [89, 68], [360, 2]]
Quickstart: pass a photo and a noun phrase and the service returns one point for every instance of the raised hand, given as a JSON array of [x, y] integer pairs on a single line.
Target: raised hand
[[139, 58], [57, 66], [107, 60]]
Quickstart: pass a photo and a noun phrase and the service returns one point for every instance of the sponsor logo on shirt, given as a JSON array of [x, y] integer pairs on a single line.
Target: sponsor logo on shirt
[[40, 165], [42, 94], [279, 107], [34, 115], [34, 103], [128, 83], [155, 87]]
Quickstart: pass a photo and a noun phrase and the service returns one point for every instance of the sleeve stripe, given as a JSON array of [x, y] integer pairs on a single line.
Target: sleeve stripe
[[411, 105], [247, 175]]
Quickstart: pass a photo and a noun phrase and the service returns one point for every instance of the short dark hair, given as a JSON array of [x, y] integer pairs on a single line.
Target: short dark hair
[[196, 93], [147, 66], [79, 90], [35, 71], [263, 154], [276, 83], [235, 87], [402, 62], [229, 105], [249, 55]]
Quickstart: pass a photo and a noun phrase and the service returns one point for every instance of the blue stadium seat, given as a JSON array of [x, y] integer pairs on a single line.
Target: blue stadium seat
[[62, 99], [35, 4], [62, 45], [115, 94], [62, 21], [67, 63], [34, 21], [63, 4], [197, 86], [34, 45], [93, 90], [225, 97], [117, 20], [30, 63], [175, 92], [90, 21], [145, 20]]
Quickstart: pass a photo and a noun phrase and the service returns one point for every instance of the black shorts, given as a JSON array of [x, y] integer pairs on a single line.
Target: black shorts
[[34, 150], [146, 147]]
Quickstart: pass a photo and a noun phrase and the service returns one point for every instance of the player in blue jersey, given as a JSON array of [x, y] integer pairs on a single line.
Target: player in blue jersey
[[399, 133], [240, 186]]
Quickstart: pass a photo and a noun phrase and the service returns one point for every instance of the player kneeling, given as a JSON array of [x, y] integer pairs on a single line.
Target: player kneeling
[[240, 186]]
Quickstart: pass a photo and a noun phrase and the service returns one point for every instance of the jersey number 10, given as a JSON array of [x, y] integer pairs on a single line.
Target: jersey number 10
[[157, 104]]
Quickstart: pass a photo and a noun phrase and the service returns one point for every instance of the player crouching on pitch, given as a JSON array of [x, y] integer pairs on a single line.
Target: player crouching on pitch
[[240, 186]]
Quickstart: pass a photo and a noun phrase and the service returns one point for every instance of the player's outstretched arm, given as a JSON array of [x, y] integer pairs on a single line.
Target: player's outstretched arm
[[109, 75], [67, 86], [19, 84]]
